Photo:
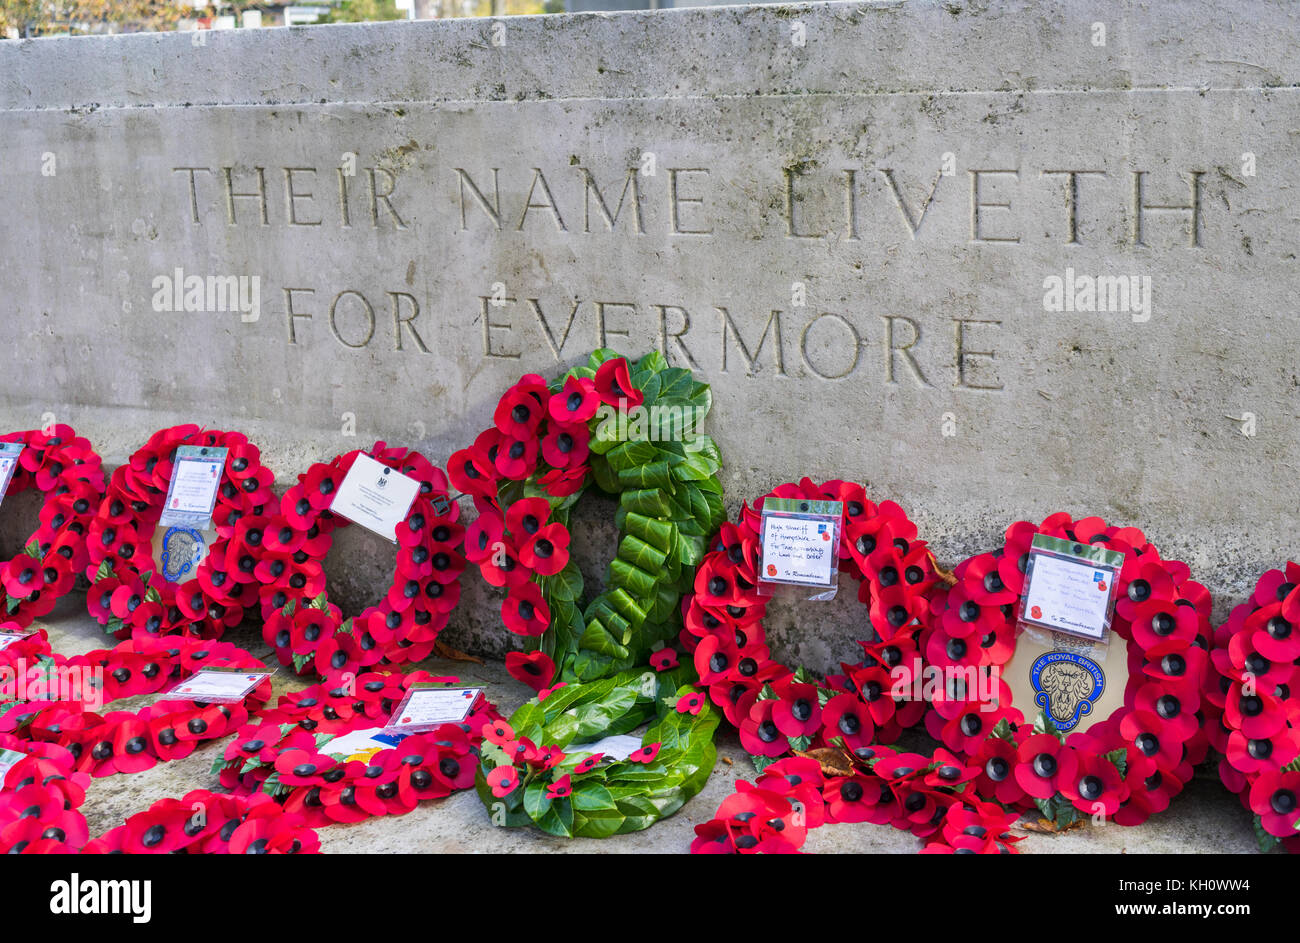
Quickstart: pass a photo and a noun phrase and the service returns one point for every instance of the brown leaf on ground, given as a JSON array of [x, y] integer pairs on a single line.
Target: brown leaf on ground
[[442, 650], [945, 575], [833, 760], [1047, 826]]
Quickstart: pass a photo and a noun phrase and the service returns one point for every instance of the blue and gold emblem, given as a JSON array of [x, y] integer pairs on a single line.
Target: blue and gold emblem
[[1066, 685], [182, 550]]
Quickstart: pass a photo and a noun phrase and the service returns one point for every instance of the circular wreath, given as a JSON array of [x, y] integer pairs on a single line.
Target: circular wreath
[[1252, 718], [778, 709], [70, 476], [1126, 766], [535, 770], [306, 630], [285, 752], [123, 741], [127, 594], [632, 431]]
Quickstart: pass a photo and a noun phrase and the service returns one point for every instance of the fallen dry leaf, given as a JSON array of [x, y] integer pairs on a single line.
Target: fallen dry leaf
[[442, 650]]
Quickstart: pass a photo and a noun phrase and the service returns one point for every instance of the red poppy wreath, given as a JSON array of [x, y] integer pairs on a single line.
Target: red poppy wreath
[[286, 550], [1252, 718], [633, 431], [130, 593], [68, 473], [779, 710], [1067, 729]]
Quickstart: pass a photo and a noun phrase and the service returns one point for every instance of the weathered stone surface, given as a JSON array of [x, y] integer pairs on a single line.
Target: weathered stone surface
[[799, 158]]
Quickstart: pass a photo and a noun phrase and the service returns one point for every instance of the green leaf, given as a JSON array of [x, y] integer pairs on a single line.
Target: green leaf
[[33, 549], [321, 602], [1066, 815], [592, 796], [1002, 730], [1266, 841], [1045, 724], [1118, 758], [105, 570]]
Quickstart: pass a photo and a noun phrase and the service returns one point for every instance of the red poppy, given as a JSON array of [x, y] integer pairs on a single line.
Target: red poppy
[[472, 472], [1045, 765], [566, 446], [525, 611], [517, 458], [590, 763], [759, 734], [614, 385], [798, 712], [645, 754], [563, 482], [503, 568], [690, 703], [1273, 797], [576, 402], [547, 552], [664, 660], [503, 780], [519, 412], [560, 789], [534, 669]]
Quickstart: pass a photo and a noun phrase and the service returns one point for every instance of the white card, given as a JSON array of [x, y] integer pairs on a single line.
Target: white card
[[1069, 595], [798, 550], [216, 686], [192, 493], [618, 747], [8, 760], [9, 452], [362, 744], [7, 639], [426, 707], [375, 496]]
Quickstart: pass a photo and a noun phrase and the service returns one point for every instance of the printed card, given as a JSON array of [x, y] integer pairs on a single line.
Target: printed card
[[8, 760], [1070, 587], [8, 638], [375, 496], [800, 541], [9, 452], [427, 706], [192, 493], [216, 686]]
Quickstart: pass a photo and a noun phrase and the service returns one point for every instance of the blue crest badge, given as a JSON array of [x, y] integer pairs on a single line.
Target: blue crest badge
[[182, 549], [1066, 685]]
